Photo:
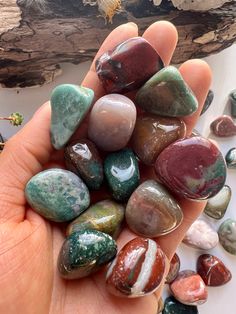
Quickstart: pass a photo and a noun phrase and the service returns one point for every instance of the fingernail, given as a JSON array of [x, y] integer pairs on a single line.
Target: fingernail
[[132, 24]]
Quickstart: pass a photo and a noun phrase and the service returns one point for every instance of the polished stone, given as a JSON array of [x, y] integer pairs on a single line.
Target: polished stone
[[152, 134], [212, 270], [138, 269], [85, 252], [192, 168], [230, 158], [218, 204], [189, 288], [58, 195], [174, 269], [105, 216], [232, 98], [227, 235], [201, 235], [166, 94], [172, 306], [82, 157], [208, 101], [223, 126], [70, 104], [128, 66], [112, 122], [152, 211]]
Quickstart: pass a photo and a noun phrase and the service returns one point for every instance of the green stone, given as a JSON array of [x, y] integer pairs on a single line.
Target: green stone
[[167, 94], [230, 158], [70, 104], [58, 195], [105, 216], [84, 252], [172, 306], [122, 173], [227, 235]]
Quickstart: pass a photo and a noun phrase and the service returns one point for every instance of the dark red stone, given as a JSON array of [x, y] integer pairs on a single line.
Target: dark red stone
[[128, 66], [223, 126], [212, 270], [174, 269]]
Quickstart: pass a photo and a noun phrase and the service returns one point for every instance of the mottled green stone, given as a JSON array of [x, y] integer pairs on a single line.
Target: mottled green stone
[[84, 252], [227, 235], [230, 158], [232, 97], [172, 306], [105, 216], [58, 195], [70, 104], [167, 94], [122, 173]]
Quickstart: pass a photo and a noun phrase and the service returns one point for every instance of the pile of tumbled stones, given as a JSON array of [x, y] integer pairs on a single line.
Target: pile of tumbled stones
[[111, 149]]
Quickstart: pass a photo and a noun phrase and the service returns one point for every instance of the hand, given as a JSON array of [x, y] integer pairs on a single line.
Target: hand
[[29, 245]]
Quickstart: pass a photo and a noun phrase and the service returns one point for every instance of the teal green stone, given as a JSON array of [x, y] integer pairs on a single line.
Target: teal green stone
[[172, 306], [122, 173], [227, 235], [57, 195], [167, 94], [84, 252], [70, 104]]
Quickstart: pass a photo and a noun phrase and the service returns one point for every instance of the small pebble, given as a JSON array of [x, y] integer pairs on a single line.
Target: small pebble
[[174, 269], [227, 235], [223, 126], [230, 158], [208, 101], [232, 97], [172, 306]]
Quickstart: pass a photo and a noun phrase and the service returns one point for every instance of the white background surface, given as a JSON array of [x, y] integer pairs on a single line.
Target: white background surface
[[221, 299]]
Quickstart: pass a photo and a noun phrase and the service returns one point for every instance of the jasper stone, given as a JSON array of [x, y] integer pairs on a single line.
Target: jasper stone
[[128, 66], [70, 104], [227, 235], [84, 252], [58, 195], [122, 173], [83, 159], [230, 158], [174, 269], [137, 270], [208, 101], [166, 94], [217, 205], [189, 288], [152, 211], [223, 126], [112, 122], [193, 168], [105, 216], [152, 134], [201, 235], [212, 270], [172, 306], [232, 97]]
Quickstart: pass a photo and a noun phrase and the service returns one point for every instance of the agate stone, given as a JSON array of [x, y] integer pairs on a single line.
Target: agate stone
[[174, 269], [128, 66], [58, 195], [85, 252], [70, 104], [166, 94], [227, 235], [223, 126], [232, 97], [172, 306], [231, 158], [208, 101]]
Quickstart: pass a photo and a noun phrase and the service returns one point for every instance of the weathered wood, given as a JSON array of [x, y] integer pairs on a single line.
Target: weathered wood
[[32, 43]]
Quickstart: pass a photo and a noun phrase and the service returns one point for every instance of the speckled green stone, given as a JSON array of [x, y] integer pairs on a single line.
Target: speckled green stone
[[84, 252], [227, 235], [58, 195], [230, 158], [122, 173], [70, 104], [167, 94], [105, 216], [172, 306]]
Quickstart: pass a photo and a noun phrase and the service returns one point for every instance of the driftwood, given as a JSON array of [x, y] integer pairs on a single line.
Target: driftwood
[[32, 43]]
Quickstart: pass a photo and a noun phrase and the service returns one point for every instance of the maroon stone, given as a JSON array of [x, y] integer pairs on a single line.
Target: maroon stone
[[128, 66], [223, 126], [212, 270], [174, 269]]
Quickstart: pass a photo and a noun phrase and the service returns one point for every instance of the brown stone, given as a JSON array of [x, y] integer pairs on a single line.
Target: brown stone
[[174, 269]]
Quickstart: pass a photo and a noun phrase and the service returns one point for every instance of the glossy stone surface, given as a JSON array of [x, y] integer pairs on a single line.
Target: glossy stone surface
[[227, 235], [172, 306], [122, 173], [112, 122], [152, 134], [223, 126], [201, 235], [137, 270], [189, 288], [84, 252], [105, 216], [193, 168], [174, 269], [58, 195], [208, 101], [128, 66], [232, 97], [166, 94], [152, 211], [217, 205], [70, 104], [230, 158], [82, 157], [212, 270]]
